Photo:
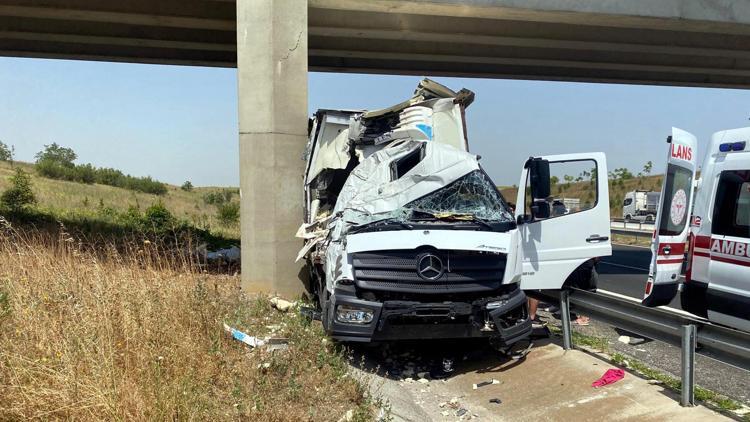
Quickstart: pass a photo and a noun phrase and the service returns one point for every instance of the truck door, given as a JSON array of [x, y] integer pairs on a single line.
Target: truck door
[[671, 229], [555, 242]]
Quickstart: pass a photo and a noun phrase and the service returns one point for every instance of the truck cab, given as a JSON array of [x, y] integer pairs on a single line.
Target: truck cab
[[407, 237], [716, 284], [640, 205]]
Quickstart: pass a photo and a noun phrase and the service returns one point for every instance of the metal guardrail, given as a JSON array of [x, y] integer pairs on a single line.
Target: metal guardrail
[[636, 229], [691, 334]]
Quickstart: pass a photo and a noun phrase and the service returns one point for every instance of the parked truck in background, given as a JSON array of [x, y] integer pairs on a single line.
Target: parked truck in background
[[717, 272], [407, 237], [640, 205]]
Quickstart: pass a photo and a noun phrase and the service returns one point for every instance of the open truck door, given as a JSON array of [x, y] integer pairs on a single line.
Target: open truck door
[[562, 211], [672, 218]]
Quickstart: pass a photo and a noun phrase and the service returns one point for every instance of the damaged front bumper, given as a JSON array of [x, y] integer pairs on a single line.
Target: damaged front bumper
[[502, 316]]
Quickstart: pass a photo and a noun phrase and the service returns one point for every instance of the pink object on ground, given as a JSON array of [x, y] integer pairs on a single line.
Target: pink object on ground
[[609, 377]]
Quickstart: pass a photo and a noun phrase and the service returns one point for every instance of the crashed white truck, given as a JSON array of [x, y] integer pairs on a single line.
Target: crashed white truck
[[406, 236]]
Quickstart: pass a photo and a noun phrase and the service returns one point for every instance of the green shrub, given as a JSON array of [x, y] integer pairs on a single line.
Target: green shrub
[[6, 152], [220, 197], [228, 214], [159, 219], [187, 186], [20, 195], [86, 173]]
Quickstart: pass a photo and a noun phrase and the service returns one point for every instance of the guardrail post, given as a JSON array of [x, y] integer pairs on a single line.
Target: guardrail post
[[565, 318], [688, 365]]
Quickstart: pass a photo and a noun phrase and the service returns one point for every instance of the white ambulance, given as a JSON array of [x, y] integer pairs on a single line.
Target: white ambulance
[[717, 278]]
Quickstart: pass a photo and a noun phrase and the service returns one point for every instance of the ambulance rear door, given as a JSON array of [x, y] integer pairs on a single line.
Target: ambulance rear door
[[672, 218]]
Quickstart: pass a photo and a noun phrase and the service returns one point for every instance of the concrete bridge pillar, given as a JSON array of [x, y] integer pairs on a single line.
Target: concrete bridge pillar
[[272, 94]]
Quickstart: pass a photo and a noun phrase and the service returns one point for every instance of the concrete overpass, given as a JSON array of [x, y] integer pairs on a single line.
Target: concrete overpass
[[273, 43]]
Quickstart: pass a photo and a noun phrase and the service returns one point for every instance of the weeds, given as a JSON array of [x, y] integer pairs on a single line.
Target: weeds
[[137, 335]]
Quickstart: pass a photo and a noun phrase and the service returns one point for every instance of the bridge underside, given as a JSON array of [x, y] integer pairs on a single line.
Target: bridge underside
[[470, 38]]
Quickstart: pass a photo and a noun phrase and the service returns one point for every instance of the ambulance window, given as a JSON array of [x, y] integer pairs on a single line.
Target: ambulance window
[[677, 191], [732, 206]]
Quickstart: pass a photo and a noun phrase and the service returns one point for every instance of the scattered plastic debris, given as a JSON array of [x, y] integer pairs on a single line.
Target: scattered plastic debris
[[609, 377], [348, 416], [624, 339], [271, 343], [461, 412], [496, 401], [522, 353], [281, 304], [239, 335], [485, 383], [309, 313]]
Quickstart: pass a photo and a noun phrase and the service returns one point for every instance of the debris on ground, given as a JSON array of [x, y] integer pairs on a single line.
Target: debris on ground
[[461, 412], [485, 383], [310, 313], [281, 304], [624, 339], [228, 256], [496, 401], [348, 416], [609, 377], [271, 344], [240, 336]]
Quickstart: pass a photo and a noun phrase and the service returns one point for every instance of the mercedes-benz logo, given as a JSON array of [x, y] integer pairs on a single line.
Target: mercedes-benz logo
[[430, 267]]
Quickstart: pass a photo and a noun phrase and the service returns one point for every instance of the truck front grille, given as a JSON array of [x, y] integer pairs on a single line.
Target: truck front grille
[[397, 271]]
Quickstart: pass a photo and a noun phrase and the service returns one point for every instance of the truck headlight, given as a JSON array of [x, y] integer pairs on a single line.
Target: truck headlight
[[351, 315]]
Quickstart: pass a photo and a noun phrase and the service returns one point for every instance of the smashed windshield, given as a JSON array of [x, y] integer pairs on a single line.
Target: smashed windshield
[[473, 196]]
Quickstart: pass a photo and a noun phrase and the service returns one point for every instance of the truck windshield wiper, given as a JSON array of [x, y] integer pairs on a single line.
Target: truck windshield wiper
[[482, 223], [380, 223]]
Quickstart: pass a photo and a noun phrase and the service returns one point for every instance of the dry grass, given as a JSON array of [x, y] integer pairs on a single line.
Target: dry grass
[[138, 336], [60, 197]]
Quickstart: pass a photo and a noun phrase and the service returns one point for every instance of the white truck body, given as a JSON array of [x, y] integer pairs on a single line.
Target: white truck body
[[407, 237], [717, 277], [640, 205]]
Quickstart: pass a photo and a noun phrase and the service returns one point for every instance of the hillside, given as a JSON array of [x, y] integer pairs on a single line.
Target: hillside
[[584, 191], [59, 197]]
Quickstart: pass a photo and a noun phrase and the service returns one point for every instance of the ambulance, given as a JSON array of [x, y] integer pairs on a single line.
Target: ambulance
[[716, 283]]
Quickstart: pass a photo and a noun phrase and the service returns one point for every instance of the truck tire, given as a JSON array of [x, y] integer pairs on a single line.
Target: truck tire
[[649, 218], [628, 218]]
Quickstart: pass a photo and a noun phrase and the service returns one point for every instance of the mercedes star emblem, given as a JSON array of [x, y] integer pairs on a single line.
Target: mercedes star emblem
[[430, 267]]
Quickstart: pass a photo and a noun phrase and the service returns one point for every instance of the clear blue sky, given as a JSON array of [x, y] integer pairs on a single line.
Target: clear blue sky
[[180, 123]]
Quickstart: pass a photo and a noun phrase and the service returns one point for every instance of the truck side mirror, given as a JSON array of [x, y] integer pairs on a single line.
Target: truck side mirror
[[539, 177]]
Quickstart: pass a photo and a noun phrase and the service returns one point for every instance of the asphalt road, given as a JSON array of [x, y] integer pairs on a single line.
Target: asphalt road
[[625, 272]]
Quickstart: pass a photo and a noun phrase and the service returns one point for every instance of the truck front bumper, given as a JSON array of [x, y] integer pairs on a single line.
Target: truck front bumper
[[504, 317]]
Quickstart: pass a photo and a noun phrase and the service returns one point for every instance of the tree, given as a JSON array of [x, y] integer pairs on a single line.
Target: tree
[[554, 180], [647, 167], [187, 186], [57, 154], [20, 195], [6, 152]]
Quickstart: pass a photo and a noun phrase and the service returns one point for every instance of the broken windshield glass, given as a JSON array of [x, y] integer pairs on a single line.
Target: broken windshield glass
[[471, 197]]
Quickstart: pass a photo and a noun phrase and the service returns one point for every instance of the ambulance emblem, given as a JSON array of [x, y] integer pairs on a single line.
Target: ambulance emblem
[[679, 207]]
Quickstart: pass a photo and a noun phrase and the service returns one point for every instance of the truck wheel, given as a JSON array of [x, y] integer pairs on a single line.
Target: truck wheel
[[628, 218], [649, 218]]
